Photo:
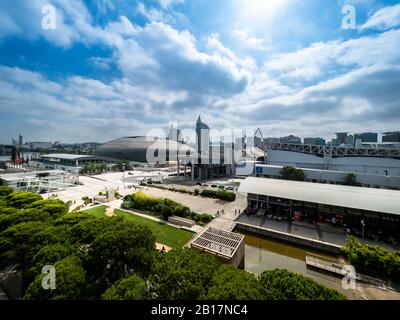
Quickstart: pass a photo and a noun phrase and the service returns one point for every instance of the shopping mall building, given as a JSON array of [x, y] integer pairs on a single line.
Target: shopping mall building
[[344, 206]]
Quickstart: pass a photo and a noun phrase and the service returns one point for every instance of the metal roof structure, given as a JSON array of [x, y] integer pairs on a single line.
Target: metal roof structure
[[16, 176], [218, 241], [335, 152], [368, 199], [66, 156]]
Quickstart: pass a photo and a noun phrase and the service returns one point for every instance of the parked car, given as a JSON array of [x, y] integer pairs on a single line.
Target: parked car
[[214, 186]]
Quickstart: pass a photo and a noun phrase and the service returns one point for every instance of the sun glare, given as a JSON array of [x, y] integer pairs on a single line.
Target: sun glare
[[255, 11]]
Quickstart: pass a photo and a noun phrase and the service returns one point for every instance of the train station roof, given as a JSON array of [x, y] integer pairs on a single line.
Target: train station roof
[[368, 199]]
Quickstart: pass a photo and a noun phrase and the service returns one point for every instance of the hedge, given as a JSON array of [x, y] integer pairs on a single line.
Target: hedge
[[219, 194]]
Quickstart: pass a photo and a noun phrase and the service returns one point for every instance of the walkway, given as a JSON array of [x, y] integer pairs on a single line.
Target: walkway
[[323, 233]]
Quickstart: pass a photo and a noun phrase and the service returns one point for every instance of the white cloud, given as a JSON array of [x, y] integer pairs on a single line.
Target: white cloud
[[385, 18], [249, 41]]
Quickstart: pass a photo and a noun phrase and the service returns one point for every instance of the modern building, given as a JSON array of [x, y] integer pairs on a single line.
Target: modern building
[[350, 207], [349, 141], [383, 161], [290, 139], [6, 149], [391, 137], [315, 141], [38, 145], [39, 181], [20, 140], [144, 149], [67, 162], [333, 177], [341, 137], [366, 137]]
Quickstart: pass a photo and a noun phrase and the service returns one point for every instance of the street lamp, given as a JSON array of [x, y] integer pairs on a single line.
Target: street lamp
[[363, 226]]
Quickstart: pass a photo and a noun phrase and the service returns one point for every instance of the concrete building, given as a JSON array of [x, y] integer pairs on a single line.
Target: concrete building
[[349, 141], [333, 177], [385, 161], [375, 210], [391, 137], [366, 137], [341, 137], [67, 162], [39, 181], [315, 141], [290, 139], [6, 149], [144, 149]]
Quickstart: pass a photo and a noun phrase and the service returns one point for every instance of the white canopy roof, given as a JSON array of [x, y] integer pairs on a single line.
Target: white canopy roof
[[370, 199]]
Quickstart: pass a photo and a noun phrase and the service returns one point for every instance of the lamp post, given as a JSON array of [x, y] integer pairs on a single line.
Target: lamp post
[[363, 227]]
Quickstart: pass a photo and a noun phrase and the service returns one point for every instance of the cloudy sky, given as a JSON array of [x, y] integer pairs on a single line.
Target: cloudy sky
[[123, 67]]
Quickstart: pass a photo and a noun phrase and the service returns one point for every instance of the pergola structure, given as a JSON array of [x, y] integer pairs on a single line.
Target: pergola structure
[[227, 246]]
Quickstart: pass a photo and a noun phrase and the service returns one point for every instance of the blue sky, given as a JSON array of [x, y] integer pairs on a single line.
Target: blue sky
[[118, 68]]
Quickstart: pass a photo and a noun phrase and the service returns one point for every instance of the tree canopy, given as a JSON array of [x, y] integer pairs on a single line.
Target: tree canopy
[[131, 287], [112, 258], [292, 173]]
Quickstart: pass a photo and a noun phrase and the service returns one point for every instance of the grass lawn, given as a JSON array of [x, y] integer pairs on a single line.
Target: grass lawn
[[165, 234]]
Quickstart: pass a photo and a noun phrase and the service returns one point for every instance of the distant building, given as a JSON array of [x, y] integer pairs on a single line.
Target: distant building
[[6, 149], [67, 162], [391, 137], [366, 137], [341, 137], [290, 139], [20, 139], [315, 141], [39, 181], [349, 141], [174, 134], [271, 140], [39, 145], [334, 177]]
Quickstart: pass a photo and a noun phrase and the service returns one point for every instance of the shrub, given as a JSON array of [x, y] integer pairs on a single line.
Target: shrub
[[163, 206], [219, 194], [372, 259], [281, 284], [196, 192]]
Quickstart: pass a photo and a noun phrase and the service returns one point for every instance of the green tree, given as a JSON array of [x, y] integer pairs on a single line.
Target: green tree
[[120, 251], [13, 154], [54, 207], [292, 173], [351, 180], [281, 284], [5, 191], [20, 200], [131, 287], [70, 282], [230, 283], [182, 274], [372, 259]]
